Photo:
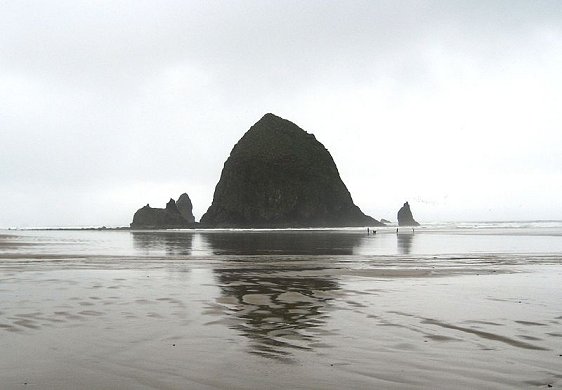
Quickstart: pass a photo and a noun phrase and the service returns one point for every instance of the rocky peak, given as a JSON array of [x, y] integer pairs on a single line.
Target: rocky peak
[[405, 217], [171, 206], [185, 207], [278, 175]]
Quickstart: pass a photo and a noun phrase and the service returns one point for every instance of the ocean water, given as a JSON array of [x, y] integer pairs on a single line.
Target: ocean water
[[430, 239], [445, 305]]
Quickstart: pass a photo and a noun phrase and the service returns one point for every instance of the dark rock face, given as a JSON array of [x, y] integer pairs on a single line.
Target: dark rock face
[[171, 207], [185, 207], [278, 175], [154, 218], [405, 217]]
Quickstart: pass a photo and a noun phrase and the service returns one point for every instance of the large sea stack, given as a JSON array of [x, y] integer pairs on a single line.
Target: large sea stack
[[405, 217], [278, 175]]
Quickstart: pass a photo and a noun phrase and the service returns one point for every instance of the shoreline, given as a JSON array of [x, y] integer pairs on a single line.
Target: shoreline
[[425, 225]]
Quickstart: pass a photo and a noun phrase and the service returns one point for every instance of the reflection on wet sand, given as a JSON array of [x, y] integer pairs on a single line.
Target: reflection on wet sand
[[286, 243], [276, 312], [274, 305], [172, 243], [405, 241]]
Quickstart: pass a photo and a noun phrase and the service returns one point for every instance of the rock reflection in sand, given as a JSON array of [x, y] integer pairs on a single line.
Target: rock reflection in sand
[[276, 307], [172, 243], [286, 243], [276, 312], [405, 241]]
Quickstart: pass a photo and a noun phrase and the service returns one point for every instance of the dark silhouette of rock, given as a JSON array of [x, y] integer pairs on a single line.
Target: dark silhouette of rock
[[185, 207], [171, 207], [155, 218], [278, 175], [405, 217]]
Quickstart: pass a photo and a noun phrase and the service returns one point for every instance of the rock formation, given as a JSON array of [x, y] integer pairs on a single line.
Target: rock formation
[[154, 218], [405, 217], [278, 175], [185, 207]]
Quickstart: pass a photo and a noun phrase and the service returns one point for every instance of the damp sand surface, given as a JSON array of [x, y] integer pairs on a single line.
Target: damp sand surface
[[167, 311]]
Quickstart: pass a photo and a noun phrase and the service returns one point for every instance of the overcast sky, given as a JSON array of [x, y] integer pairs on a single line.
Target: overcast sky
[[455, 106]]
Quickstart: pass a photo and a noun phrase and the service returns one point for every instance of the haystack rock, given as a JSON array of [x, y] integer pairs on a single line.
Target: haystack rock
[[185, 207], [405, 217], [155, 218], [278, 175]]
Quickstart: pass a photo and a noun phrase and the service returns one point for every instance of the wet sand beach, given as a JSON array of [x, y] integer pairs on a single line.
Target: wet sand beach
[[437, 308]]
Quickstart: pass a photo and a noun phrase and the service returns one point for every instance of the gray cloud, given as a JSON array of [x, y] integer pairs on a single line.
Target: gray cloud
[[115, 104]]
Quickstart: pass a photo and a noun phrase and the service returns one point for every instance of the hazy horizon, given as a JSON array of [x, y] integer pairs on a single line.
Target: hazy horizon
[[451, 106]]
